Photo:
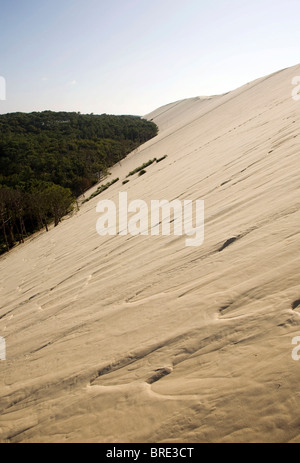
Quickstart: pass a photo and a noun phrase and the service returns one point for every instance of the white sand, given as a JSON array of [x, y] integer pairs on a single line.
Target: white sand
[[89, 320]]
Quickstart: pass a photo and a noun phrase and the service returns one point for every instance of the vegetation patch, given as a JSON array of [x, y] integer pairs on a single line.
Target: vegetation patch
[[101, 189], [142, 167], [23, 213], [47, 159], [162, 159]]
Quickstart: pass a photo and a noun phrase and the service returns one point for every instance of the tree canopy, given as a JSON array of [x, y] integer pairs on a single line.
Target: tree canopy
[[48, 158]]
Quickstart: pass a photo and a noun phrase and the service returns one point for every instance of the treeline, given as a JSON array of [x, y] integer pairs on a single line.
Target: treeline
[[22, 213], [47, 159]]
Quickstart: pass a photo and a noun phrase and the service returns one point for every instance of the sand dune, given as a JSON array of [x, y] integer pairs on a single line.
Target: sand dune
[[142, 339]]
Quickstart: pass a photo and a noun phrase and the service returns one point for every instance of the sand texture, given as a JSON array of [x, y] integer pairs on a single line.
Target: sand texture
[[142, 339]]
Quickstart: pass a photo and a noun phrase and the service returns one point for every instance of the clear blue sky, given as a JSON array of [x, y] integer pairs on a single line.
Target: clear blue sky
[[131, 56]]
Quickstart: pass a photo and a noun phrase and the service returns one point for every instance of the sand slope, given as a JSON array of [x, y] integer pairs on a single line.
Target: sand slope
[[142, 339]]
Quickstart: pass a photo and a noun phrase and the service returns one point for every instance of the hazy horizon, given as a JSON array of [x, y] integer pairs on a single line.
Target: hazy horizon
[[131, 57]]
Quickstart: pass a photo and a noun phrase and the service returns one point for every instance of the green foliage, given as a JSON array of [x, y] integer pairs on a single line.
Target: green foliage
[[125, 181], [142, 167], [101, 189], [48, 158], [161, 159], [142, 172], [59, 201], [68, 149], [22, 213]]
